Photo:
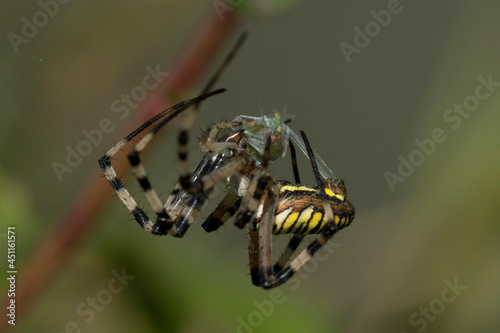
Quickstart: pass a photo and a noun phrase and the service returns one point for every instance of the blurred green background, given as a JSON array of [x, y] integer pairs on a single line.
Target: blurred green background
[[388, 267]]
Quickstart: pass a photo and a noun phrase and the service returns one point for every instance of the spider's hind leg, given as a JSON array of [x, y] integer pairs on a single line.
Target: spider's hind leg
[[295, 241], [283, 275]]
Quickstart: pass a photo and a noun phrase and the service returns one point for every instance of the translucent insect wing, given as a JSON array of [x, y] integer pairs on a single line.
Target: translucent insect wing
[[322, 167]]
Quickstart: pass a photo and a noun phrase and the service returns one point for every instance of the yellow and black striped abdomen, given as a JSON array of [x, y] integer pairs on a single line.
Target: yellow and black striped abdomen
[[300, 210]]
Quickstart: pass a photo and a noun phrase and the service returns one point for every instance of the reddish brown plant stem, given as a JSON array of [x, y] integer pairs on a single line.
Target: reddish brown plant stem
[[61, 244]]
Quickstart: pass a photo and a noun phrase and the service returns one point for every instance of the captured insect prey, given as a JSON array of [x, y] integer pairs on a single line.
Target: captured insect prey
[[237, 154]]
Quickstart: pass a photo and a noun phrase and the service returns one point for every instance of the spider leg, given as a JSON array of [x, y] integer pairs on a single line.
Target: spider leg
[[164, 221], [163, 218], [226, 208], [210, 142], [295, 241], [255, 192], [109, 172], [202, 187], [251, 201], [188, 215], [182, 150], [140, 173], [259, 192], [209, 145], [265, 235], [291, 247], [261, 242], [302, 258], [182, 206], [182, 191], [330, 229], [294, 162], [253, 253], [179, 198]]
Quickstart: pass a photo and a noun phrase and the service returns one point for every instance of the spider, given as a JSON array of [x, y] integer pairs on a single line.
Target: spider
[[237, 154]]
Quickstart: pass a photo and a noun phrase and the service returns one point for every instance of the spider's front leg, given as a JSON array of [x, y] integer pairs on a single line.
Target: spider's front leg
[[109, 172], [163, 221], [224, 211]]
